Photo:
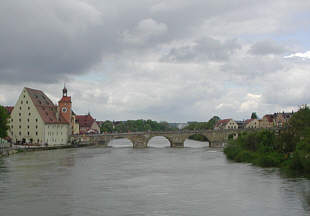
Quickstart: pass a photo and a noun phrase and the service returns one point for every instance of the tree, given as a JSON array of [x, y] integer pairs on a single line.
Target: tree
[[212, 122], [254, 115], [4, 116]]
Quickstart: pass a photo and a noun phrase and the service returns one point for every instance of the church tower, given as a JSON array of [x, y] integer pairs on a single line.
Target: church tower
[[65, 105]]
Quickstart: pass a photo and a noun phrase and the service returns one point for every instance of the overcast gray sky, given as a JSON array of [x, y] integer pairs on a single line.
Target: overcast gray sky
[[173, 60]]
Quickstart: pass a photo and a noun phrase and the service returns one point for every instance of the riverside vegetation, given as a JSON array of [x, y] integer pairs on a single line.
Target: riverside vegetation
[[290, 149]]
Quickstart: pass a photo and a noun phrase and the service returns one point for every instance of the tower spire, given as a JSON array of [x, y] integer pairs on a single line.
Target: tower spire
[[64, 91]]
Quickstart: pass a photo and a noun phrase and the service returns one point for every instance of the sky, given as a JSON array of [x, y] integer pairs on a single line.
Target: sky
[[166, 60]]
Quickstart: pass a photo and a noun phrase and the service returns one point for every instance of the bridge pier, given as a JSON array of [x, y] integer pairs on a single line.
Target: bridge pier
[[177, 145], [216, 144], [139, 141]]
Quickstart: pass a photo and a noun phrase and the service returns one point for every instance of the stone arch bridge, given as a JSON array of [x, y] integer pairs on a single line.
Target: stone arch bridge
[[216, 138]]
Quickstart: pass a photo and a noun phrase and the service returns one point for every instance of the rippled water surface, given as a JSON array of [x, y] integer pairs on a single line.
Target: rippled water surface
[[159, 180]]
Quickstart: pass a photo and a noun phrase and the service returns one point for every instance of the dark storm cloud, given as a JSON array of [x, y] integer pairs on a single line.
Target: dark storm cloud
[[267, 47], [45, 41]]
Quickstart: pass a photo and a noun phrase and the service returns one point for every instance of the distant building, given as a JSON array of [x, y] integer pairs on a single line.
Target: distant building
[[87, 124], [226, 124], [281, 119], [100, 123], [36, 120], [9, 109], [240, 124], [251, 123], [266, 121]]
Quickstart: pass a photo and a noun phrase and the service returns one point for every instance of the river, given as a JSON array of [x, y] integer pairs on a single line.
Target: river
[[119, 180]]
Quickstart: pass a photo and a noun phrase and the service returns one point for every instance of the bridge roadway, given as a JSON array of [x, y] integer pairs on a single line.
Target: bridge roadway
[[216, 138]]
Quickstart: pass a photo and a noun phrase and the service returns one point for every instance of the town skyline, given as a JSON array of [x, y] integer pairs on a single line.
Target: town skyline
[[173, 61]]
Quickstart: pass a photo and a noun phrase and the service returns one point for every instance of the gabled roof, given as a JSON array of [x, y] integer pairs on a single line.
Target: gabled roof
[[9, 109], [269, 117], [248, 121], [45, 107], [222, 123], [85, 120]]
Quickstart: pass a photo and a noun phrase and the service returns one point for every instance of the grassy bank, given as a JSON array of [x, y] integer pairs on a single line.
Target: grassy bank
[[290, 149]]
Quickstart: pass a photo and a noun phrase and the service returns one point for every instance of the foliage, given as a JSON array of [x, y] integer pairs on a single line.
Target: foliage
[[199, 137], [289, 149], [254, 115], [203, 125], [4, 116], [134, 126]]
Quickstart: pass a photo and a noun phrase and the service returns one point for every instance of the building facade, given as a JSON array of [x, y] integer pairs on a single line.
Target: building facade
[[35, 120], [251, 123], [266, 121], [226, 124], [87, 124]]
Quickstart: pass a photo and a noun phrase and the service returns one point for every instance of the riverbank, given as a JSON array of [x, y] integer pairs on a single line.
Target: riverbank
[[19, 149], [289, 148]]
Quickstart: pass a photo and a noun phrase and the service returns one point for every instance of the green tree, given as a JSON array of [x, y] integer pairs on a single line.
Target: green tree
[[107, 127], [4, 116], [254, 115]]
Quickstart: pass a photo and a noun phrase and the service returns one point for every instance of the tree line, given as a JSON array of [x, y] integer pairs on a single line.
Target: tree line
[[135, 126]]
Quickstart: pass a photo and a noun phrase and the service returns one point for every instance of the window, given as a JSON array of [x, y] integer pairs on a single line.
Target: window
[[22, 102], [20, 133], [28, 119], [20, 108], [20, 126], [28, 108], [29, 113], [19, 114], [26, 102], [28, 133], [36, 120], [36, 126], [28, 126], [19, 120], [37, 133]]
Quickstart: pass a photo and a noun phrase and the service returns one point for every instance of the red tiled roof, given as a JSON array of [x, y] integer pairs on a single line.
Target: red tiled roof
[[222, 122], [269, 117], [85, 120], [9, 109], [248, 121], [45, 107]]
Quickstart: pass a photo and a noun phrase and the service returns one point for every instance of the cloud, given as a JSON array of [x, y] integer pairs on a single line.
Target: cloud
[[203, 50], [172, 60], [145, 30], [266, 48], [304, 56], [47, 42]]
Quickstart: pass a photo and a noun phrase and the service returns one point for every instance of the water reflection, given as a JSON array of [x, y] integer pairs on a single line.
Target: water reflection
[[159, 142], [120, 143]]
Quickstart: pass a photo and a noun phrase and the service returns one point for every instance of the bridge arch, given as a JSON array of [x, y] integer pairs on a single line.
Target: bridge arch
[[197, 140], [157, 140], [119, 141]]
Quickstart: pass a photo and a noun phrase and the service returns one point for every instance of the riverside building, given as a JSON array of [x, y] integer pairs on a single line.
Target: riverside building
[[37, 121]]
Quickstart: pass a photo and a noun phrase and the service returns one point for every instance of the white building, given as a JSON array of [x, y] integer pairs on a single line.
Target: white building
[[36, 120]]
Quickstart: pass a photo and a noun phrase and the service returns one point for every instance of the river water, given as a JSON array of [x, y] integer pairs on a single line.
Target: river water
[[159, 180]]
